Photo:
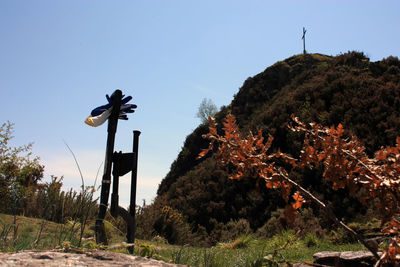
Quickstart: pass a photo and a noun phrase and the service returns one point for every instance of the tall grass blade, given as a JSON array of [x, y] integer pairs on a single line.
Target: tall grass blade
[[77, 164]]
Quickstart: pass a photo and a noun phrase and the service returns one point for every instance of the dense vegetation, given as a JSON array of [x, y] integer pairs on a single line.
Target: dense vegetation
[[347, 89], [66, 220], [22, 191]]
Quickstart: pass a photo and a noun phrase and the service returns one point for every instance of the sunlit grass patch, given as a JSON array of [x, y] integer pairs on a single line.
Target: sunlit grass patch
[[285, 247]]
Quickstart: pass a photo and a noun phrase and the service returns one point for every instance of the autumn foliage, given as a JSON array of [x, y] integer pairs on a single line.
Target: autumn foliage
[[346, 165]]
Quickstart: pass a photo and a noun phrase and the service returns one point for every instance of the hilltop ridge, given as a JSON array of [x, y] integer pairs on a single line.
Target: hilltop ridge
[[364, 96]]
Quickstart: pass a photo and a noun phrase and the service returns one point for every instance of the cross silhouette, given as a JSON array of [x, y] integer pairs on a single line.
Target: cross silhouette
[[304, 40]]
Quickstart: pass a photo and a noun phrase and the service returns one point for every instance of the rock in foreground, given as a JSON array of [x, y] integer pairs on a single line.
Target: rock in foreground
[[347, 258], [93, 258]]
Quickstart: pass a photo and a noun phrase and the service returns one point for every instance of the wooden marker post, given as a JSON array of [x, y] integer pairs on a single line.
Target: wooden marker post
[[120, 164]]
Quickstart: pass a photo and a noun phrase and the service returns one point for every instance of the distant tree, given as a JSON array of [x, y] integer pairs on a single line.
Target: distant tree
[[206, 109], [18, 171]]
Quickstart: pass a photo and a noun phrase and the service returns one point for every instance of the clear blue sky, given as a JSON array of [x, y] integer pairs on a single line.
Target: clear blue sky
[[58, 59]]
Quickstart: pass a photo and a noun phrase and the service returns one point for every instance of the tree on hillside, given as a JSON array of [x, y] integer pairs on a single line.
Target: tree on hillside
[[346, 165], [206, 109], [19, 172]]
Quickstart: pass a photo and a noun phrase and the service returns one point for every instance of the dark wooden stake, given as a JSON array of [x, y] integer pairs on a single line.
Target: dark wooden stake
[[132, 207], [106, 181]]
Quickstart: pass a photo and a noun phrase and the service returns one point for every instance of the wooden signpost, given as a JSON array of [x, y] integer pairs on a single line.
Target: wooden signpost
[[120, 164]]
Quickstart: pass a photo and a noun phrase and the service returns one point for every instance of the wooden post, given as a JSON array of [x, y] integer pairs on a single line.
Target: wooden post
[[106, 181], [132, 207]]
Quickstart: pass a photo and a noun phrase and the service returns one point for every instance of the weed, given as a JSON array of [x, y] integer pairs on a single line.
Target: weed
[[38, 235], [242, 241], [159, 240], [177, 255], [209, 258], [86, 198], [5, 231], [310, 240], [146, 250]]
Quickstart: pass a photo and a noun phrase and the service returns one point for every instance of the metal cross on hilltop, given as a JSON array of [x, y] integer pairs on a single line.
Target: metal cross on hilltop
[[304, 40]]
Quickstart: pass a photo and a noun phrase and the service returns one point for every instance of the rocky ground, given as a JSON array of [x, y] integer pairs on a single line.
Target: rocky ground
[[63, 257], [57, 258]]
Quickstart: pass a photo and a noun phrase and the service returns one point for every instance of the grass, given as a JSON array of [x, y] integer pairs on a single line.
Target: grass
[[244, 251], [37, 234], [251, 252]]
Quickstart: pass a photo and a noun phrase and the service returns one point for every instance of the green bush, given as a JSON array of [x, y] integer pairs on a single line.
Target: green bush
[[164, 221], [18, 172], [273, 226], [21, 192]]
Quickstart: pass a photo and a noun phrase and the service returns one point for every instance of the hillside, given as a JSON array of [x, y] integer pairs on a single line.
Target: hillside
[[364, 96]]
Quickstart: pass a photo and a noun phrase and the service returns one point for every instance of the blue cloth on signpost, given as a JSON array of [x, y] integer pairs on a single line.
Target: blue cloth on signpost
[[100, 114]]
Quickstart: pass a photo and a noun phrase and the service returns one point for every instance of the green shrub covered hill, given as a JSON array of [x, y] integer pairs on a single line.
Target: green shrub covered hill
[[197, 202]]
